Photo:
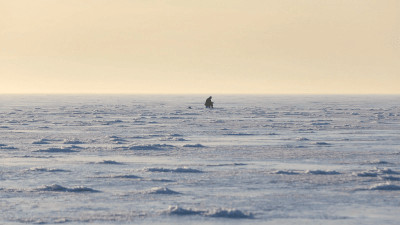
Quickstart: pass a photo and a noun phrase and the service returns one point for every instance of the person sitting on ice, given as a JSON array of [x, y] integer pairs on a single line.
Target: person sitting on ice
[[209, 103]]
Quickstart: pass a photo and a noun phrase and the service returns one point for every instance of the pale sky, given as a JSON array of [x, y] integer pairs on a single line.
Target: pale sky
[[200, 46]]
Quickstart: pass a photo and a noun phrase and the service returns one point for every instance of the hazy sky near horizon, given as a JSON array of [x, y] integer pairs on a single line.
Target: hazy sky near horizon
[[200, 46]]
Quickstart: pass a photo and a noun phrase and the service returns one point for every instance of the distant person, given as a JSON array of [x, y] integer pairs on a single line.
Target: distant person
[[209, 103]]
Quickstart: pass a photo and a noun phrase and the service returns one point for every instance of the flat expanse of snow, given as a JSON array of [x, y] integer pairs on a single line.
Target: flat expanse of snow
[[142, 159]]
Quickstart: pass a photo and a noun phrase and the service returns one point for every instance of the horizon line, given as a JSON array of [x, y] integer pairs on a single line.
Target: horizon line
[[271, 94]]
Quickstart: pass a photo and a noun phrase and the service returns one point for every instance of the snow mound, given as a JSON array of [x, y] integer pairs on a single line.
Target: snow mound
[[59, 188], [162, 190], [176, 170], [385, 187]]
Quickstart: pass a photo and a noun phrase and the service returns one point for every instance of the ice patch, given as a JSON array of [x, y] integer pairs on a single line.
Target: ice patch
[[162, 190], [385, 187], [59, 188], [322, 172], [177, 170], [194, 146]]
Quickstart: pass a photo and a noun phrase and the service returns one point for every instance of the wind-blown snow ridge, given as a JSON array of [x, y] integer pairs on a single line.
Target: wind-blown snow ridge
[[176, 210], [58, 150], [239, 134], [125, 176], [376, 162], [322, 172], [385, 187], [73, 142], [227, 164], [229, 213], [321, 143], [110, 162], [302, 139], [6, 147], [162, 190], [194, 146], [59, 188], [286, 172], [151, 147], [375, 172], [42, 169], [42, 142], [312, 172], [177, 170], [223, 213]]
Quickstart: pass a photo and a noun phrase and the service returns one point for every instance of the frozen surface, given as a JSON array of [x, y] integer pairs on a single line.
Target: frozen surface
[[154, 160]]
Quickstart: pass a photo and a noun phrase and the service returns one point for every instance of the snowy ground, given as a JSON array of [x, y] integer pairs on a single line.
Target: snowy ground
[[153, 160]]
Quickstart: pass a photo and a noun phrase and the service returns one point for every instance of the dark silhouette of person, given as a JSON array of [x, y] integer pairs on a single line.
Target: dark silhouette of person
[[209, 103]]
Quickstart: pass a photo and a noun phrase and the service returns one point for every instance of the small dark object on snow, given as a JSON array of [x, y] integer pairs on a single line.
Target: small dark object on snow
[[209, 103]]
